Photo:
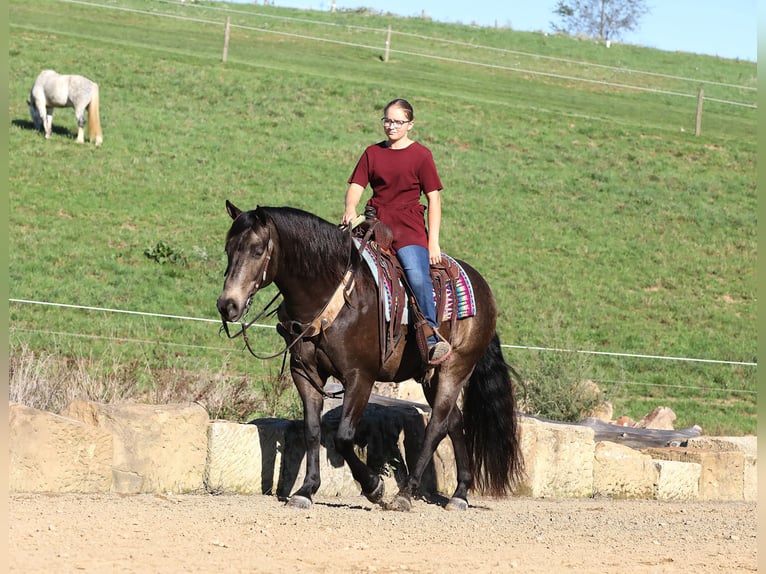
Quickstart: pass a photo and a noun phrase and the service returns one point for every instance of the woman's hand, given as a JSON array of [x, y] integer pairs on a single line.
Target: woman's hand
[[434, 253], [353, 195], [348, 216]]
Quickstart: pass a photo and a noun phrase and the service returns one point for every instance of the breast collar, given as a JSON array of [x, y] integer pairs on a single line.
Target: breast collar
[[326, 316]]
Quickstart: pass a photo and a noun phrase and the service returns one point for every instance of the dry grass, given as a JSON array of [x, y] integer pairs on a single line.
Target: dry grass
[[49, 382]]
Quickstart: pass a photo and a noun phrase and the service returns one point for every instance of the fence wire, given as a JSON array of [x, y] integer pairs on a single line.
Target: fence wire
[[39, 331]]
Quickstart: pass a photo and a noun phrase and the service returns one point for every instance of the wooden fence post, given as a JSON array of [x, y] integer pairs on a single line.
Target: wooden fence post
[[698, 127], [388, 43], [226, 39]]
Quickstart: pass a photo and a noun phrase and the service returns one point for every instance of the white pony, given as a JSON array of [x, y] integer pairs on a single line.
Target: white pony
[[53, 90]]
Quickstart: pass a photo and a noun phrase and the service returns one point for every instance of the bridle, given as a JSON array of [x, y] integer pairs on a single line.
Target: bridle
[[260, 278], [322, 319]]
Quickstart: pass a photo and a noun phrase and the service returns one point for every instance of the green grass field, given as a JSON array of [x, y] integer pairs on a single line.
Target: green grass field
[[573, 181]]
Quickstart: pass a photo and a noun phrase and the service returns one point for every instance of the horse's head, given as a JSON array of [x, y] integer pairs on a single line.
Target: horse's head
[[248, 248]]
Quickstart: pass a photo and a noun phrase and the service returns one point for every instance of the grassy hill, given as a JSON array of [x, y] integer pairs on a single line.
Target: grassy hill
[[573, 181]]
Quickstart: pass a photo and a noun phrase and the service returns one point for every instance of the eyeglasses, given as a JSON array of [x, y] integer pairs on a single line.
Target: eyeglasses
[[394, 123]]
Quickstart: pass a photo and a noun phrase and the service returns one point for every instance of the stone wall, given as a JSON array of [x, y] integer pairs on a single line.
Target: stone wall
[[131, 448]]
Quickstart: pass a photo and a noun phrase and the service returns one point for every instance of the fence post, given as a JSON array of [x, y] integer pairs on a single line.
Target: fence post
[[698, 127], [226, 39], [388, 43]]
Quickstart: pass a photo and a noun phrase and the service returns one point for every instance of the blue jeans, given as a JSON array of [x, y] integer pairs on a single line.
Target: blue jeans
[[416, 264]]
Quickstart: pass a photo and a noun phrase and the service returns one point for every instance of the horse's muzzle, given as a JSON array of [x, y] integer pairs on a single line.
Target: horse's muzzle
[[229, 309]]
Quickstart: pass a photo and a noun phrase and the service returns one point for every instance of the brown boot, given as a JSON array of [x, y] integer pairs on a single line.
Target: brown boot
[[434, 348], [439, 352]]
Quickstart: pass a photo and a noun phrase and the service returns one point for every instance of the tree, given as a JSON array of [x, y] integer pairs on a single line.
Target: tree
[[603, 19]]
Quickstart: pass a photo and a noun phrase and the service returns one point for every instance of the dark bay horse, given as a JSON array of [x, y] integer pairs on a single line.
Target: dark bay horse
[[329, 319], [54, 90]]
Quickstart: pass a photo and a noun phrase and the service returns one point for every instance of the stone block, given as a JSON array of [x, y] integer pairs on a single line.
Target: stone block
[[335, 475], [558, 457], [721, 472], [238, 462], [388, 439], [750, 480], [52, 453], [677, 480], [268, 456], [622, 472], [157, 448], [745, 444], [748, 445]]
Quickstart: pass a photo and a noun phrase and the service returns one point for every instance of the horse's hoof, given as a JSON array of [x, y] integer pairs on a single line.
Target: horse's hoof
[[399, 504], [457, 504], [299, 503], [377, 493]]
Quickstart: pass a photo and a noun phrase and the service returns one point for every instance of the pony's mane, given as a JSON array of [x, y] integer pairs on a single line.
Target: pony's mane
[[315, 248]]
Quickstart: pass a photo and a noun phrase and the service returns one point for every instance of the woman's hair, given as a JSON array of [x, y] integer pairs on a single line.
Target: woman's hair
[[401, 103]]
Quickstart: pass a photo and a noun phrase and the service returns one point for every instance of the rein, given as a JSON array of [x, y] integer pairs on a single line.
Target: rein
[[245, 326], [321, 321]]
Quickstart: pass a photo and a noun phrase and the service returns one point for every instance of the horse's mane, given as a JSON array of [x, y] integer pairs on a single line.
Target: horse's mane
[[315, 248]]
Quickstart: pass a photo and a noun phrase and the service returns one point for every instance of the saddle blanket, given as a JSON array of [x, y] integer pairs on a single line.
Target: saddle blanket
[[460, 296]]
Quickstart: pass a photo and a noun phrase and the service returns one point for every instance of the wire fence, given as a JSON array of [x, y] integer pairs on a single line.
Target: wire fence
[[19, 328], [449, 50]]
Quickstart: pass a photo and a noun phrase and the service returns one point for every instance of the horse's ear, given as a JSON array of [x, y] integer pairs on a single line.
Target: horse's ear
[[232, 210]]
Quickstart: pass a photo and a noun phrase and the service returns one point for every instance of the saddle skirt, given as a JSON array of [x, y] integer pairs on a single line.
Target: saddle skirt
[[454, 298]]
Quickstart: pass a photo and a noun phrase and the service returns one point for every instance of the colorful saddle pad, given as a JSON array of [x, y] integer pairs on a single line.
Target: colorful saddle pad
[[460, 296]]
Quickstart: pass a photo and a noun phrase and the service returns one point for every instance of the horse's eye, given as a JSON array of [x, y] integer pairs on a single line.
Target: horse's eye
[[256, 250]]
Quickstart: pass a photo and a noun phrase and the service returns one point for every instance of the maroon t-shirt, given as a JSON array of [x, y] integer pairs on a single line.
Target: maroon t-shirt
[[397, 178]]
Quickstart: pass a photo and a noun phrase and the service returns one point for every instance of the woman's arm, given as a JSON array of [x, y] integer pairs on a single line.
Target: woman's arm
[[434, 223], [353, 195]]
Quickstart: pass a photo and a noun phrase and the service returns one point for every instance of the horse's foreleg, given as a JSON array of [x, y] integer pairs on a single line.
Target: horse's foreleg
[[302, 498], [48, 122], [312, 428]]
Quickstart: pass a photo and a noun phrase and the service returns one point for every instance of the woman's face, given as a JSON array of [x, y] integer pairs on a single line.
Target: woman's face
[[396, 124]]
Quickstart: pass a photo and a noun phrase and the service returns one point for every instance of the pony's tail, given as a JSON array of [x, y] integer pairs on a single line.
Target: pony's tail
[[491, 427], [94, 122]]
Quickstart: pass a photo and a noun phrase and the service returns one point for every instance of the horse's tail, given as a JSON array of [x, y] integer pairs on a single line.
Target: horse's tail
[[94, 121], [490, 422]]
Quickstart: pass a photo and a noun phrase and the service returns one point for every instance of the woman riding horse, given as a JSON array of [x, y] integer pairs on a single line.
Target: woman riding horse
[[329, 319]]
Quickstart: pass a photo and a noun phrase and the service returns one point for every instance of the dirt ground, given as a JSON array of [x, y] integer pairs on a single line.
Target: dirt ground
[[228, 533]]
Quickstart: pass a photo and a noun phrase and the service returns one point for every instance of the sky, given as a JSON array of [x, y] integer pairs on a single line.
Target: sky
[[726, 28]]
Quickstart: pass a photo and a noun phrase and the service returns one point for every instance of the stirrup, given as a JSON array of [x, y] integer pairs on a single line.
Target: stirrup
[[439, 352]]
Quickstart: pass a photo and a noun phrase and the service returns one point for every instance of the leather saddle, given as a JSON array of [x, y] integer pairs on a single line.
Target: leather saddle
[[378, 237]]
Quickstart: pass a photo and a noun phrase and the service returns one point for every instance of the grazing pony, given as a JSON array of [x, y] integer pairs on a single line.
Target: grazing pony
[[330, 320], [54, 90]]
